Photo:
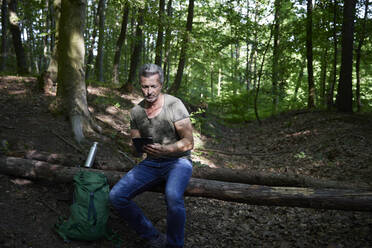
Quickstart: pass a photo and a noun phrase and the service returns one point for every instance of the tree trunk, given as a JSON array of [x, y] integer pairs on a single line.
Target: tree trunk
[[159, 39], [219, 174], [71, 79], [53, 26], [259, 77], [298, 83], [167, 50], [335, 55], [89, 65], [358, 55], [352, 200], [275, 73], [344, 99], [136, 55], [309, 55], [99, 58], [52, 71], [181, 64], [4, 30], [119, 45], [323, 77], [16, 35]]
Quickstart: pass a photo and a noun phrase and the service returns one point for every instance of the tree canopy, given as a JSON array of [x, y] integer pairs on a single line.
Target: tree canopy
[[211, 51]]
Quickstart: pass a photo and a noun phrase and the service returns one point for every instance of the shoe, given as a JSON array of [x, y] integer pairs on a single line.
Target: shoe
[[158, 242]]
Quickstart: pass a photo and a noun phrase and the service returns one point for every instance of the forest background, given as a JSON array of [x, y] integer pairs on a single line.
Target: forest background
[[240, 60], [262, 80]]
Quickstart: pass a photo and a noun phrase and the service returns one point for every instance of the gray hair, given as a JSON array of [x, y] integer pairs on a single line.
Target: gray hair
[[148, 70]]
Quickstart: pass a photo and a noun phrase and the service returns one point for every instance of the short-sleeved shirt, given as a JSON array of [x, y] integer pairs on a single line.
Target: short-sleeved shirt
[[161, 127]]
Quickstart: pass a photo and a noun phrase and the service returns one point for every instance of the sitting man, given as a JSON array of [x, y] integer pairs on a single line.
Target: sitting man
[[164, 118]]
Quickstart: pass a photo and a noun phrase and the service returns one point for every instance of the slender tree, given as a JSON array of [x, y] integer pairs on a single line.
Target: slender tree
[[119, 44], [16, 35], [181, 64], [323, 76], [260, 75], [167, 50], [309, 55], [4, 30], [136, 55], [159, 39], [344, 99], [101, 36], [52, 70], [359, 54], [335, 55], [89, 64], [275, 71], [71, 79]]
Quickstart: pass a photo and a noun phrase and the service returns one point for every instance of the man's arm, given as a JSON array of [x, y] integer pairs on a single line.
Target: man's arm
[[134, 133], [184, 130]]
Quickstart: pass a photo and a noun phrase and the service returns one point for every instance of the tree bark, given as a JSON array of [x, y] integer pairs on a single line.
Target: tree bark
[[16, 35], [344, 99], [359, 55], [89, 64], [323, 77], [298, 84], [136, 55], [275, 73], [219, 174], [159, 39], [119, 45], [49, 78], [309, 55], [167, 48], [259, 77], [4, 31], [335, 55], [71, 79], [186, 39], [101, 36], [352, 200]]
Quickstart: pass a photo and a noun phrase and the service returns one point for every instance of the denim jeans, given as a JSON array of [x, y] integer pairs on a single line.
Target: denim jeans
[[176, 174]]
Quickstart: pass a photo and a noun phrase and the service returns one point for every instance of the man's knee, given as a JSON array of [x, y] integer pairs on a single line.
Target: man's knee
[[117, 199], [174, 198]]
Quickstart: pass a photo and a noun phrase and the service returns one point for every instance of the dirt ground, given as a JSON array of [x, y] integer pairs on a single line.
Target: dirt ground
[[323, 145]]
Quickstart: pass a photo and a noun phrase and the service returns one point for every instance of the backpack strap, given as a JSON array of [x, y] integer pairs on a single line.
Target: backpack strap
[[92, 209]]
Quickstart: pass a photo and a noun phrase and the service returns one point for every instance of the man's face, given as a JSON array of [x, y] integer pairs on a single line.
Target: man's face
[[151, 87]]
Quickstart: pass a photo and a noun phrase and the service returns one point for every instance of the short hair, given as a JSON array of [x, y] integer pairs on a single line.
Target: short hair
[[147, 70]]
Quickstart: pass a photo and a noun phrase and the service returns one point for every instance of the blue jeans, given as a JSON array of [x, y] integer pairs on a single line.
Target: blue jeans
[[176, 174]]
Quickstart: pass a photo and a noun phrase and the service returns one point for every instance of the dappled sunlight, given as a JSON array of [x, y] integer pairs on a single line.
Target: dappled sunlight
[[16, 92], [302, 133], [20, 181], [77, 46], [113, 122], [14, 85]]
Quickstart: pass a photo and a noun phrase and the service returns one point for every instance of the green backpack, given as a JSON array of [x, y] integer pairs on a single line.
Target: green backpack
[[90, 209]]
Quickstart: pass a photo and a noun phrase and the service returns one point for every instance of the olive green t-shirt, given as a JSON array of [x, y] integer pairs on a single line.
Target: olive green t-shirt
[[161, 127]]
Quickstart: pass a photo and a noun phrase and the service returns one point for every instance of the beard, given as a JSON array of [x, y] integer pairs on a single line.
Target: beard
[[151, 98]]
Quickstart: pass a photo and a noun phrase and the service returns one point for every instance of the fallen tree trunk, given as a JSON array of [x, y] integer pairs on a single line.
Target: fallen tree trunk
[[219, 174], [340, 199]]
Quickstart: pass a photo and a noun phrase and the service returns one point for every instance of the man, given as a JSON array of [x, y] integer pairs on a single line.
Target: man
[[164, 118]]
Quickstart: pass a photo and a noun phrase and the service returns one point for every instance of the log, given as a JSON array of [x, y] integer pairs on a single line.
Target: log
[[339, 199], [272, 179], [219, 174]]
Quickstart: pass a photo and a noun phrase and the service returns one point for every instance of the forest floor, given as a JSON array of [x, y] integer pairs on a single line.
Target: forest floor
[[325, 145]]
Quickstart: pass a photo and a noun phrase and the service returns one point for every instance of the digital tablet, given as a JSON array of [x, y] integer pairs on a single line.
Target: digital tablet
[[140, 142]]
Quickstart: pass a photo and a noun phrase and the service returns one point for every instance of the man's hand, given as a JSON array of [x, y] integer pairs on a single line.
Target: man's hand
[[156, 150]]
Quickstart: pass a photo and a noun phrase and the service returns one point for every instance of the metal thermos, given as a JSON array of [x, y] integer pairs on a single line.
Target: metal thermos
[[91, 155]]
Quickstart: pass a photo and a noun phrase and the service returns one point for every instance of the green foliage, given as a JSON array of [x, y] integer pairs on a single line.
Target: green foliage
[[225, 51]]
